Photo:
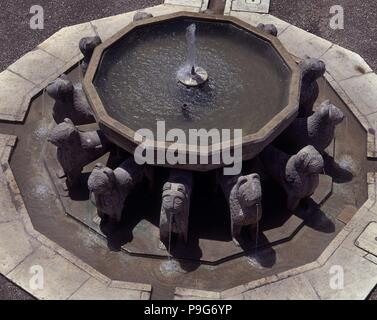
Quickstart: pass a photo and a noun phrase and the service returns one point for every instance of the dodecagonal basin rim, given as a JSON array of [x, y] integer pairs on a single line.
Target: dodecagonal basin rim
[[253, 142]]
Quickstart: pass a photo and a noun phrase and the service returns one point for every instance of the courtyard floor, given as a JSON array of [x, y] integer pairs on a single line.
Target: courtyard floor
[[359, 35]]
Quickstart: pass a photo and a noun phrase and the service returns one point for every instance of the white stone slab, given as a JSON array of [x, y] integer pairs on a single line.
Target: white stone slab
[[187, 3], [15, 245], [228, 7], [371, 258], [343, 64], [13, 90], [96, 290], [360, 276], [37, 66], [294, 288], [358, 225], [193, 294], [204, 5], [256, 18], [301, 43], [261, 6], [64, 44], [107, 27], [363, 92], [61, 277], [368, 239]]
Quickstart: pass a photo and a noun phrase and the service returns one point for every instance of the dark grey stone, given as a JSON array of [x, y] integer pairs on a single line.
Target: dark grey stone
[[70, 102], [317, 130], [244, 195], [76, 149], [112, 187], [141, 15], [298, 174], [87, 46], [268, 28], [312, 70]]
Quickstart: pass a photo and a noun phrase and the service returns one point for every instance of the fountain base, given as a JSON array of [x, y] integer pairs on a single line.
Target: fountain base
[[192, 79]]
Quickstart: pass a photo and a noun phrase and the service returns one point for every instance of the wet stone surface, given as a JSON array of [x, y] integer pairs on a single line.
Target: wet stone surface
[[46, 209]]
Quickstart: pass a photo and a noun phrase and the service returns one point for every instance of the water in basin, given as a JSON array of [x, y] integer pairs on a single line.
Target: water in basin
[[248, 80]]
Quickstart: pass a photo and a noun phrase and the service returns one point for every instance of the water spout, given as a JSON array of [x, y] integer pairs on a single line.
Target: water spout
[[191, 46], [190, 74], [170, 231]]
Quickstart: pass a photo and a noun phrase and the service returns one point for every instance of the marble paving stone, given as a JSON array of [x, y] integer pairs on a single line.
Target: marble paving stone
[[346, 214], [368, 239], [61, 277], [64, 44], [96, 290], [371, 258], [107, 27], [301, 43], [15, 245], [255, 18], [343, 64], [261, 6], [294, 288], [363, 92], [37, 66], [13, 90], [188, 3], [360, 276]]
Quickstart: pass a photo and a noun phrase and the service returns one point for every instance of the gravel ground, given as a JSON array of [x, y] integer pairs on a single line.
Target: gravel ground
[[360, 35], [360, 22], [17, 38], [9, 291]]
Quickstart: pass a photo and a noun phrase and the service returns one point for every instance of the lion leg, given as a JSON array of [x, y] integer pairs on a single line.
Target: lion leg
[[164, 236], [73, 178]]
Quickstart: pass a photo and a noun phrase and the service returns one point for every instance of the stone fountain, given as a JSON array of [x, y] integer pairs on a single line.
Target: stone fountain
[[193, 71]]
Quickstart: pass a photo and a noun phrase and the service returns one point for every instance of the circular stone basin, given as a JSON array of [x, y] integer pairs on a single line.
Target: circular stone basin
[[253, 83]]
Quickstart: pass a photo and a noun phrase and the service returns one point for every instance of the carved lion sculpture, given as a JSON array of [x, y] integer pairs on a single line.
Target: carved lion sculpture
[[244, 196], [298, 174], [87, 46], [312, 70], [317, 130], [141, 15], [112, 187], [76, 149], [175, 206], [268, 28], [70, 102]]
